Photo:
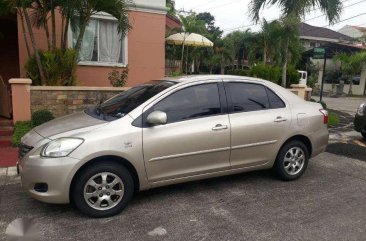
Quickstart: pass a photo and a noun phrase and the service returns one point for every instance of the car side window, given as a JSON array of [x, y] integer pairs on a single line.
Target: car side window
[[247, 97], [275, 101], [190, 103]]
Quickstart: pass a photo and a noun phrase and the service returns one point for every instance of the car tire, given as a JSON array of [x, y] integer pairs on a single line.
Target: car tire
[[102, 190], [292, 161], [363, 133]]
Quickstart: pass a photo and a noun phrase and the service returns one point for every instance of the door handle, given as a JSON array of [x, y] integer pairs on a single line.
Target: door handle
[[280, 119], [219, 127]]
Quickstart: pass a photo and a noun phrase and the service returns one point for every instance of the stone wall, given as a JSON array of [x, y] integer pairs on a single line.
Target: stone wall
[[66, 100]]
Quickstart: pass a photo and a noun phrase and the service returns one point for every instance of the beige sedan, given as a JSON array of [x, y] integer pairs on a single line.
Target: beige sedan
[[166, 132]]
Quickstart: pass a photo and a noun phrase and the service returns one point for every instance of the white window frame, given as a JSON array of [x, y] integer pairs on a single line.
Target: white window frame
[[102, 16]]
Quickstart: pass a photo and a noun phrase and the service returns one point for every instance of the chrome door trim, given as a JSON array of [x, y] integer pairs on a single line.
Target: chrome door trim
[[254, 144], [189, 154]]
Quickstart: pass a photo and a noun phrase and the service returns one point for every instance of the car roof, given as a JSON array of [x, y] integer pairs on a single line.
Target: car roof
[[192, 78], [287, 94]]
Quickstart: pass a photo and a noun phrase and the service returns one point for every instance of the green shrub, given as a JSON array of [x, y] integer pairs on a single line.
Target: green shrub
[[20, 129], [58, 67], [333, 119], [41, 116], [238, 72], [293, 77], [266, 72], [175, 74], [118, 79]]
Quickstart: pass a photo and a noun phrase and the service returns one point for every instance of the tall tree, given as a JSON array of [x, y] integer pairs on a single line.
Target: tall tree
[[243, 42], [295, 10], [170, 4]]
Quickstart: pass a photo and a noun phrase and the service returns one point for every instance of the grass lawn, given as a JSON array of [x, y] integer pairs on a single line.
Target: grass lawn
[[333, 119], [20, 129]]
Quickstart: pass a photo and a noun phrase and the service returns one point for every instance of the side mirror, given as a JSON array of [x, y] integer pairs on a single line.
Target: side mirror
[[157, 118]]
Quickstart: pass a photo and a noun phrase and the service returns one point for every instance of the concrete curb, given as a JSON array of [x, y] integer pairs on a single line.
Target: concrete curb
[[9, 175]]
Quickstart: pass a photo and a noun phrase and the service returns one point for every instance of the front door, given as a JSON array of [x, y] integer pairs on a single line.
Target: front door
[[195, 140], [259, 120]]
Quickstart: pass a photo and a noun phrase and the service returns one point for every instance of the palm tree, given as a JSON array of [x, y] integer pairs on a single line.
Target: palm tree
[[293, 11], [351, 65], [21, 7], [243, 42]]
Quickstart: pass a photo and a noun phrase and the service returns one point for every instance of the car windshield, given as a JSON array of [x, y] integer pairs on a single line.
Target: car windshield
[[120, 105]]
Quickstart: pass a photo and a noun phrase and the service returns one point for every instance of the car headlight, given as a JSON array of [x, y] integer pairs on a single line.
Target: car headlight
[[61, 147], [361, 109]]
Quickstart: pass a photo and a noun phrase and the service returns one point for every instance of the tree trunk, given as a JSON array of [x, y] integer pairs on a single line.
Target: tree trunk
[[62, 30], [64, 37], [350, 91], [47, 35], [79, 41], [181, 60], [24, 33], [265, 53], [198, 66], [285, 60], [53, 19], [34, 46]]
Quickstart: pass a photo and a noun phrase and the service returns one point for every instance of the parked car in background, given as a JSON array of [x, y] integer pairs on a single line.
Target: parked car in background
[[166, 132], [360, 120]]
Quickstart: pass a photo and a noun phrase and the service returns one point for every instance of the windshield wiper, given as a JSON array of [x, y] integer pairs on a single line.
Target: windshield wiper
[[99, 111]]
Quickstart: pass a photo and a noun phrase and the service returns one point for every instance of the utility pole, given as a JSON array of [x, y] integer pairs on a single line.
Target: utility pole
[[324, 67]]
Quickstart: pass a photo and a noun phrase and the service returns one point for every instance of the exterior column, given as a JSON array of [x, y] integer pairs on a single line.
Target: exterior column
[[20, 89], [303, 91]]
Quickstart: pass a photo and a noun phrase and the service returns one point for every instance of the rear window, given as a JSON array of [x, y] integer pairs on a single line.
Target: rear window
[[275, 101]]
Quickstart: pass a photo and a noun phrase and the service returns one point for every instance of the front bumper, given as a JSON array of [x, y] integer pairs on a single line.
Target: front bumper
[[360, 123], [57, 173]]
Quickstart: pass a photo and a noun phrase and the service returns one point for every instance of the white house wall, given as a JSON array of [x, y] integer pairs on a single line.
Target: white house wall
[[351, 31]]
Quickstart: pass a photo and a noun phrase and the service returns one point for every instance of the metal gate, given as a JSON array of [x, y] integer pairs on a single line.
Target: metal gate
[[5, 102]]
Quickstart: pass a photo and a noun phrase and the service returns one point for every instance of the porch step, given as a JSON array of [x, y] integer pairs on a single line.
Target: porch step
[[6, 130], [5, 141], [6, 122]]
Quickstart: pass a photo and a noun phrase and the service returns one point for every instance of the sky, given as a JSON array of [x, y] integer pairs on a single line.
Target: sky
[[233, 15]]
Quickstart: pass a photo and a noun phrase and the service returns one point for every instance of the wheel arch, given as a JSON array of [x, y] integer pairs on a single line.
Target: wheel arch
[[303, 139], [107, 159]]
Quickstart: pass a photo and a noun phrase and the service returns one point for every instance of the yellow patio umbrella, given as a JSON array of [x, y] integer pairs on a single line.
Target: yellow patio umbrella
[[188, 39]]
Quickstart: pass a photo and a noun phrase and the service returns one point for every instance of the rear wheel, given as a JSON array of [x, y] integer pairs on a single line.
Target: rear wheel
[[103, 190], [292, 161]]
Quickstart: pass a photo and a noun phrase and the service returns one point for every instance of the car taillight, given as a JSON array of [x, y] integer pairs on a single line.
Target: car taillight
[[325, 115]]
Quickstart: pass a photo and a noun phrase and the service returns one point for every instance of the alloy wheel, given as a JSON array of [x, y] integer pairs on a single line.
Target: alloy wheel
[[294, 161], [104, 191]]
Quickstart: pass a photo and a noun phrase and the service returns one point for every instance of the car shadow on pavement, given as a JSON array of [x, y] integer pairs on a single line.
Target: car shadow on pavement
[[348, 149], [25, 206]]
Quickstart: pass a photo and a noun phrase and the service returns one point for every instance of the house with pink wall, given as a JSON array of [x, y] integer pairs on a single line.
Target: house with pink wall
[[143, 49]]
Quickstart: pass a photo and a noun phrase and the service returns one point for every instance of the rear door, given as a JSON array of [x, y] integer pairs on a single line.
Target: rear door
[[195, 140], [259, 119]]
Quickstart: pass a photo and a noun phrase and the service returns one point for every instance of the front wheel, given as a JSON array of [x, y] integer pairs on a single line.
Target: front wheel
[[292, 161], [103, 190], [363, 133]]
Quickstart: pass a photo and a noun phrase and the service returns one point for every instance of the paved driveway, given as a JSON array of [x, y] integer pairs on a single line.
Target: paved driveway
[[328, 203]]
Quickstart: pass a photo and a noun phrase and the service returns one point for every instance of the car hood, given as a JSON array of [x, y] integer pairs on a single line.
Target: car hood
[[69, 123]]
